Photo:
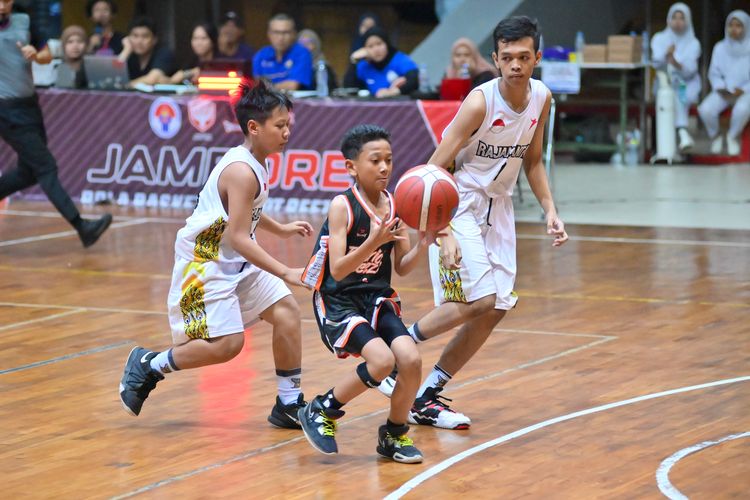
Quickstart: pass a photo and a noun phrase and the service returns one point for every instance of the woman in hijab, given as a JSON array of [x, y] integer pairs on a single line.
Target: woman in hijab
[[729, 74], [465, 52], [386, 71], [311, 41], [676, 50], [366, 21], [73, 40]]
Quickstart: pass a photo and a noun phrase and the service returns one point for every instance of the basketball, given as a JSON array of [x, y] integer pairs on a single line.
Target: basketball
[[426, 198]]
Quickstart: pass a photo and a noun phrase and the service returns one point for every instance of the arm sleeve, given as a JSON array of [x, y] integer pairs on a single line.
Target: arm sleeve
[[412, 82]]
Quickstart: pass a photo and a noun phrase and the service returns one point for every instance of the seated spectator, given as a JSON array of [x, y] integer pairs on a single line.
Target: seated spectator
[[147, 61], [386, 71], [676, 50], [203, 41], [729, 74], [357, 50], [465, 52], [231, 44], [73, 40], [105, 40], [286, 63], [311, 41]]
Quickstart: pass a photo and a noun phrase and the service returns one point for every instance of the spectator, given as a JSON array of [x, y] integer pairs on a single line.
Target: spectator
[[147, 61], [676, 50], [73, 40], [22, 126], [311, 41], [105, 40], [286, 63], [386, 71], [464, 51], [729, 74], [231, 44], [204, 43], [357, 51]]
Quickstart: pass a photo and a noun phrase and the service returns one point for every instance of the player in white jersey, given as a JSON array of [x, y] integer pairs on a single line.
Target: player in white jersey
[[223, 281], [498, 129]]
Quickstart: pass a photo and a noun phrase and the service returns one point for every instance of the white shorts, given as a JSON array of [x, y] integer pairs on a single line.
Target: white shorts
[[486, 232], [211, 299]]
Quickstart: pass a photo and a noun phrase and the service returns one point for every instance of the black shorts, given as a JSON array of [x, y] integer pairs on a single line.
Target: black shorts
[[347, 323]]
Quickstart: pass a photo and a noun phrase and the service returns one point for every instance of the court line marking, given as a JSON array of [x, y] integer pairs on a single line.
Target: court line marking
[[173, 479], [65, 357], [520, 236], [85, 309], [662, 473], [440, 467], [64, 234], [73, 310]]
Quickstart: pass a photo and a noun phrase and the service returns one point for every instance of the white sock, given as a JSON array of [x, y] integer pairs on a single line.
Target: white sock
[[288, 383], [415, 333], [437, 378], [163, 362]]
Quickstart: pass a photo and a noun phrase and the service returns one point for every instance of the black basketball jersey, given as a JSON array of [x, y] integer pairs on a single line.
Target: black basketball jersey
[[374, 274]]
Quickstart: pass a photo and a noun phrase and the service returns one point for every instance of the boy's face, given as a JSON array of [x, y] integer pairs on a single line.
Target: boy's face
[[373, 166], [101, 14], [74, 48], [143, 40], [281, 34], [273, 134], [516, 60]]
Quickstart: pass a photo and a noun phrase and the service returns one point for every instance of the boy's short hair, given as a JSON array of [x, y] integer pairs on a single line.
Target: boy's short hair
[[257, 102], [143, 22], [514, 28], [283, 17], [90, 6], [231, 17], [356, 137]]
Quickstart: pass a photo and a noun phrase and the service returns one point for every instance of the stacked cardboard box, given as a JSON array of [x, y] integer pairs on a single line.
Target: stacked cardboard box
[[594, 53], [623, 49]]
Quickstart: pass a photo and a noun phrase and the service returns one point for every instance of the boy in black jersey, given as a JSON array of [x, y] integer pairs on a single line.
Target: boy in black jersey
[[357, 311]]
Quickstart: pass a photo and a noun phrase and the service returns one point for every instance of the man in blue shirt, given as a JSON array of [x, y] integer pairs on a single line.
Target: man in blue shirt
[[286, 63]]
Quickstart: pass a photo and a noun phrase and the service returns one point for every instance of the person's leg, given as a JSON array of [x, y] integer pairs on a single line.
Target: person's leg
[[709, 111], [740, 117]]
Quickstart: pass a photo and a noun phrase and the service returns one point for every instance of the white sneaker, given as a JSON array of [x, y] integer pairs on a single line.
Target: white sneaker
[[733, 146], [716, 145], [431, 409], [387, 385], [686, 141]]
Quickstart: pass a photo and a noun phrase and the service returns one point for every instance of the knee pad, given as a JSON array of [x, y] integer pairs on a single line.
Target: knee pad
[[365, 376]]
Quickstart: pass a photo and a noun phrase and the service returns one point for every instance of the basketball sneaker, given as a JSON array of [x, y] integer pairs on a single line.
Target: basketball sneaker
[[397, 446], [319, 425], [138, 380], [431, 409], [285, 416], [89, 230], [388, 384]]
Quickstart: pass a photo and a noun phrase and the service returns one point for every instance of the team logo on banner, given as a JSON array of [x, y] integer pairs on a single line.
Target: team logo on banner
[[202, 114], [165, 117]]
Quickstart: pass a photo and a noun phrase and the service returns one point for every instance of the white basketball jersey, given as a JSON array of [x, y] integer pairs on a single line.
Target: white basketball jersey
[[493, 157], [202, 238]]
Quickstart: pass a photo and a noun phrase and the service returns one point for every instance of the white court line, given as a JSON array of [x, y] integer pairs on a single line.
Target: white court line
[[437, 469], [662, 473], [83, 308], [74, 310], [63, 234], [56, 215]]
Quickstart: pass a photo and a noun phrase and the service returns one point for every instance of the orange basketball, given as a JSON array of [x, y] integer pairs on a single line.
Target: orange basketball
[[426, 198]]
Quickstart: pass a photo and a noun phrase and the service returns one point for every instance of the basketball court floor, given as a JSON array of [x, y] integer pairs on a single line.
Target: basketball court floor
[[624, 372]]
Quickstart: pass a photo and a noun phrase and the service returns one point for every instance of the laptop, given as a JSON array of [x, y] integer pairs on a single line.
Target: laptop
[[455, 89], [106, 73]]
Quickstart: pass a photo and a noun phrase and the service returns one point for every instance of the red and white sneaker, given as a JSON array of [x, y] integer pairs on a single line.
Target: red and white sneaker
[[431, 409]]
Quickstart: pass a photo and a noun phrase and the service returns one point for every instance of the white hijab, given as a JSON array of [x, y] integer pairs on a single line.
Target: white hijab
[[738, 48], [680, 40]]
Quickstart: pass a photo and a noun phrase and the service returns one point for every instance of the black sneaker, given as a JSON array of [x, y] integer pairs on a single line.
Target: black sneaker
[[431, 409], [91, 229], [319, 425], [138, 380], [285, 416], [395, 444]]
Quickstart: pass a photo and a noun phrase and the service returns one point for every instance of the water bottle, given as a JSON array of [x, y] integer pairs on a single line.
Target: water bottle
[[580, 42], [632, 146], [464, 71], [645, 48], [321, 79], [682, 91], [424, 79]]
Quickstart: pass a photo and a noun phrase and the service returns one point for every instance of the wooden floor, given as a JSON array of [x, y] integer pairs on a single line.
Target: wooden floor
[[628, 345]]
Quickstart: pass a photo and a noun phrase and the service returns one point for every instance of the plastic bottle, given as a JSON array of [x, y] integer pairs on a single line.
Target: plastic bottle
[[464, 71], [424, 79], [321, 79], [681, 91], [645, 48], [632, 146], [580, 42]]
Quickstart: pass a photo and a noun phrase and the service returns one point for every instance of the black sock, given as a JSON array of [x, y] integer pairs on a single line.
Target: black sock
[[395, 429], [330, 401]]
